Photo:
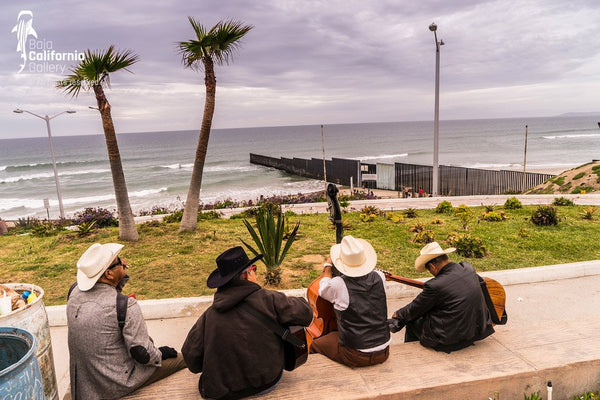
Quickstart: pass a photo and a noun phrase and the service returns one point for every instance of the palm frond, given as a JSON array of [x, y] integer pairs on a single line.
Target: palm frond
[[95, 69], [218, 44]]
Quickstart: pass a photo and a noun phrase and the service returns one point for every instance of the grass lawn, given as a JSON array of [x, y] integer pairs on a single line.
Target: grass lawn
[[165, 263]]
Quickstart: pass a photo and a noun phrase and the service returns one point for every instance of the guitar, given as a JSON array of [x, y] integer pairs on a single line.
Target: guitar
[[324, 320], [493, 293]]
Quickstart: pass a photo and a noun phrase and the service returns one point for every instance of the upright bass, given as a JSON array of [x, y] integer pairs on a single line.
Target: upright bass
[[324, 320]]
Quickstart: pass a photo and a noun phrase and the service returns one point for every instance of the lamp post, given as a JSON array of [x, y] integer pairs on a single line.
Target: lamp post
[[47, 119], [436, 120]]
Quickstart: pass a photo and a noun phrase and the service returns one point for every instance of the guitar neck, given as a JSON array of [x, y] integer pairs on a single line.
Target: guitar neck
[[400, 279]]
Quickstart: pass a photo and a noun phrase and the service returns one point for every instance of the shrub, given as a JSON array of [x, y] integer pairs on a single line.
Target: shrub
[[545, 216], [465, 214], [418, 227], [394, 217], [102, 216], [588, 213], [206, 215], [467, 245], [489, 207], [559, 180], [562, 201], [364, 217], [370, 210], [445, 207], [425, 236], [578, 189], [27, 223], [579, 176], [494, 216], [86, 228], [437, 221], [410, 213], [512, 203], [45, 228], [175, 216]]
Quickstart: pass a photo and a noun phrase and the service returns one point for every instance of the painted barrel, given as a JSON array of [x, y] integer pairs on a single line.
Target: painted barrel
[[20, 376], [33, 318]]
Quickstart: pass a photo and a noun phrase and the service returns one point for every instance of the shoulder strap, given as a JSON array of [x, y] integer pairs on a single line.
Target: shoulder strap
[[71, 289], [283, 333], [121, 309]]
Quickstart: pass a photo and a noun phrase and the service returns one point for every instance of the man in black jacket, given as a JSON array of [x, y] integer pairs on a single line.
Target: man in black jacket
[[237, 355], [450, 313]]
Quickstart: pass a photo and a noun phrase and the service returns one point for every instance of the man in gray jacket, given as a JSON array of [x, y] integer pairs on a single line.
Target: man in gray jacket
[[108, 361]]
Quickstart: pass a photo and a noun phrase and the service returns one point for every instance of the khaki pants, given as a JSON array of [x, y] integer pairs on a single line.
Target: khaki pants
[[329, 345]]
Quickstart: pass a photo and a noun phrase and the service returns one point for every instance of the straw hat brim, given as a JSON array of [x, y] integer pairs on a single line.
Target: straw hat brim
[[101, 256], [425, 258], [355, 271]]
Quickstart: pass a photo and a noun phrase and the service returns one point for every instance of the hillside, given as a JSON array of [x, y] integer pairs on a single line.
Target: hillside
[[582, 179]]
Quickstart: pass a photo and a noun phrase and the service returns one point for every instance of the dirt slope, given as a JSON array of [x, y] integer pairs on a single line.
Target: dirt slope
[[586, 178]]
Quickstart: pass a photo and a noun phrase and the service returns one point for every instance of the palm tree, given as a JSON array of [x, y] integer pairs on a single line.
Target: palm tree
[[92, 73], [215, 46]]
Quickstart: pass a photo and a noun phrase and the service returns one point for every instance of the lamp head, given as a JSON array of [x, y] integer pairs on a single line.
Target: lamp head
[[71, 111], [433, 27], [18, 111]]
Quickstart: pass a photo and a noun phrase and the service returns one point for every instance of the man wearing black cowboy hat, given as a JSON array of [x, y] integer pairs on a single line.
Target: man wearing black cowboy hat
[[237, 355]]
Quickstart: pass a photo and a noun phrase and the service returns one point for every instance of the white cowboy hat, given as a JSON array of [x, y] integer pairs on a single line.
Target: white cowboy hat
[[428, 253], [353, 257], [94, 262]]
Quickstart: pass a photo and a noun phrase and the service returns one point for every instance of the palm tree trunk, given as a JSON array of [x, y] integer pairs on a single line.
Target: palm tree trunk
[[127, 228], [189, 220]]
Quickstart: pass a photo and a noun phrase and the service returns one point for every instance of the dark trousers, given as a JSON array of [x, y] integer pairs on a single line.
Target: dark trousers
[[413, 330], [329, 345]]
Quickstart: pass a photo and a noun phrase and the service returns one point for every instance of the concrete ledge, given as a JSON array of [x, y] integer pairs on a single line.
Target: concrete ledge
[[194, 306]]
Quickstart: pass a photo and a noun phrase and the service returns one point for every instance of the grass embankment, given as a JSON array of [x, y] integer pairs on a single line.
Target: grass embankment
[[165, 263]]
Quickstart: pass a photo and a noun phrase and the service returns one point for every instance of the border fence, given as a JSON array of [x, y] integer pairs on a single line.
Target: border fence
[[454, 181]]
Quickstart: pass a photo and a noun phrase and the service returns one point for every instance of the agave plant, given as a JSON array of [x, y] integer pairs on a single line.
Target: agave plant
[[269, 240]]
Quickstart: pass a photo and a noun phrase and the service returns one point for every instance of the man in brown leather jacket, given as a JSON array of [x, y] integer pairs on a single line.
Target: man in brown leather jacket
[[450, 313], [237, 355]]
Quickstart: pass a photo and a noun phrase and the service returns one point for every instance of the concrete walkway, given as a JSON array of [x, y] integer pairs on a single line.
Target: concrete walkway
[[552, 334]]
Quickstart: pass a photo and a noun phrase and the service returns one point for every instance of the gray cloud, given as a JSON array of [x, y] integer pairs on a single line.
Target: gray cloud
[[310, 62]]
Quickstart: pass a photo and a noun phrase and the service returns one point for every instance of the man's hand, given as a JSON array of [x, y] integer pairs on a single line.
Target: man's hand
[[395, 324], [167, 352]]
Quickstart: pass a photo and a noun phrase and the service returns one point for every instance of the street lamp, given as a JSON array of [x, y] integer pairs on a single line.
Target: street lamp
[[436, 121], [47, 119]]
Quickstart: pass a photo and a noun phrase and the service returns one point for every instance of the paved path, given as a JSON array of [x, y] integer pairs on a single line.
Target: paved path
[[551, 335]]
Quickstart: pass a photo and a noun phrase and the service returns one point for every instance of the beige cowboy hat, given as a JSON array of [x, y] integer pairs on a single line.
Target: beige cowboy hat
[[428, 253], [94, 262], [353, 257]]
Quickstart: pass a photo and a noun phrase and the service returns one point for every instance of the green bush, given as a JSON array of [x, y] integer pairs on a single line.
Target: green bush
[[445, 207], [464, 214], [545, 216], [512, 203], [175, 216], [562, 201], [410, 213], [423, 237], [579, 176], [467, 245], [370, 210], [494, 216], [559, 180], [578, 189], [208, 215]]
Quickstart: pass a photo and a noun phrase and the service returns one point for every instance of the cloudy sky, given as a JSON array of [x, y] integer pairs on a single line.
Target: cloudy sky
[[307, 62]]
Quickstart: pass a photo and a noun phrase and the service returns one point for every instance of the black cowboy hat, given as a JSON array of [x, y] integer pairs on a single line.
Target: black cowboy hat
[[229, 264]]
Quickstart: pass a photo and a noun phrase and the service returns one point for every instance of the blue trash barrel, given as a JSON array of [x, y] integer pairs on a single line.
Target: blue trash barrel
[[20, 376]]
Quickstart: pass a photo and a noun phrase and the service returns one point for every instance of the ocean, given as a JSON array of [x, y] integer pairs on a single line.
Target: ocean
[[158, 165]]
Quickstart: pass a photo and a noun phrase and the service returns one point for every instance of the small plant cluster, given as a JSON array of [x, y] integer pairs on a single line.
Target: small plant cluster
[[421, 234], [467, 245], [512, 203], [445, 207], [410, 213], [369, 213], [494, 216], [588, 396], [596, 170], [464, 214], [562, 201], [394, 217], [588, 213], [363, 217], [102, 216], [545, 216]]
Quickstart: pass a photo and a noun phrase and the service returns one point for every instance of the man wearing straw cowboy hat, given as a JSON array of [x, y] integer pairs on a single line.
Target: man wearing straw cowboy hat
[[108, 361], [359, 301], [450, 313]]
